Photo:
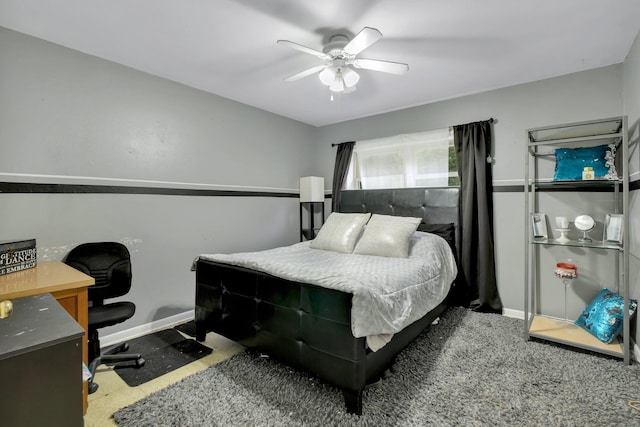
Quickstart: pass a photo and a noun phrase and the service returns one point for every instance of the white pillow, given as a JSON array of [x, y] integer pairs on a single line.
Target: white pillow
[[387, 236], [340, 232]]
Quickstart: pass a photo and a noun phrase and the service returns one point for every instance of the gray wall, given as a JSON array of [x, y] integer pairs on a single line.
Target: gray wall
[[66, 117], [70, 118]]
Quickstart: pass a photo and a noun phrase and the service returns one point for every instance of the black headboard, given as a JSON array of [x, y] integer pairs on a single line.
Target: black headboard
[[433, 205]]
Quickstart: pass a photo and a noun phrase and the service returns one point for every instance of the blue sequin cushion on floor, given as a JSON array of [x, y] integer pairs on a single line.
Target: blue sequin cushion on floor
[[570, 162], [603, 317]]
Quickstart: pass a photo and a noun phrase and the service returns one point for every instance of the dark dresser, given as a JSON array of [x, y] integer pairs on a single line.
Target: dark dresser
[[40, 365]]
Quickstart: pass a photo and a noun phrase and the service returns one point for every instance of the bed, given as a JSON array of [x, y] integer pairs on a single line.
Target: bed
[[310, 326]]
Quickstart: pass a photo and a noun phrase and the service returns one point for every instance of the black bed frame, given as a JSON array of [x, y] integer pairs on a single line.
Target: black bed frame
[[308, 326]]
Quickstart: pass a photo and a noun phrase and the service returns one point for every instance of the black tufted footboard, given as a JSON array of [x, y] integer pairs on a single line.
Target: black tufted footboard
[[303, 325]]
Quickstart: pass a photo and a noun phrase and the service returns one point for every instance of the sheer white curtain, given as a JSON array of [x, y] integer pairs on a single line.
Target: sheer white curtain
[[401, 161]]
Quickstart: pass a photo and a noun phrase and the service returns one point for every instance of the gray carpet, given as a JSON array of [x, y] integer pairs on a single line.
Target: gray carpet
[[471, 369]]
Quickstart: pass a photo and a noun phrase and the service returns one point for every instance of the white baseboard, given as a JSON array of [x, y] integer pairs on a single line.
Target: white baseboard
[[147, 328], [517, 314]]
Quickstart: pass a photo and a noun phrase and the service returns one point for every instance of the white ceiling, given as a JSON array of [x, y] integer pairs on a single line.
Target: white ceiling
[[228, 47]]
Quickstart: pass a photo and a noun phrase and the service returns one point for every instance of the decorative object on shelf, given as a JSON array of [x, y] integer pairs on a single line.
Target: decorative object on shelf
[[539, 225], [563, 235], [562, 225], [567, 272], [603, 317], [571, 162], [584, 223], [562, 222], [613, 228], [587, 174], [610, 157]]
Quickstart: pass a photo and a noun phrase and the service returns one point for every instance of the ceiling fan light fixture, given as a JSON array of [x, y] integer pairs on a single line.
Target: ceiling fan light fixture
[[328, 75], [338, 83], [338, 78], [350, 77]]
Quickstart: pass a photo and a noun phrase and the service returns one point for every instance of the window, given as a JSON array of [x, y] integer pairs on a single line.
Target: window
[[425, 159]]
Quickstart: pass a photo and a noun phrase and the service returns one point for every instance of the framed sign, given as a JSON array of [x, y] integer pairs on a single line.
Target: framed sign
[[613, 228], [539, 225]]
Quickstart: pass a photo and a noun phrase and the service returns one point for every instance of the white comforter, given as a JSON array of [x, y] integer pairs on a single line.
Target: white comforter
[[388, 293]]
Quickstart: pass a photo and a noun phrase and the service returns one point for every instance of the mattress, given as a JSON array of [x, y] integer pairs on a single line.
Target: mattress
[[388, 293]]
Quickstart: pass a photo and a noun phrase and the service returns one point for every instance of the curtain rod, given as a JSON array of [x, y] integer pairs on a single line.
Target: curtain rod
[[340, 143], [491, 120]]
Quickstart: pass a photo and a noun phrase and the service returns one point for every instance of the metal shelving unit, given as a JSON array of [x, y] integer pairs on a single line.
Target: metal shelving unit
[[541, 143]]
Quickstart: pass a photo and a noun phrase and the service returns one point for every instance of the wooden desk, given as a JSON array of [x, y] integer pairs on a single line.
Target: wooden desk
[[67, 285]]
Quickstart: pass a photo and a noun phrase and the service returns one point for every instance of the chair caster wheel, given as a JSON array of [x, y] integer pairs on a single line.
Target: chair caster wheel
[[93, 387], [140, 362]]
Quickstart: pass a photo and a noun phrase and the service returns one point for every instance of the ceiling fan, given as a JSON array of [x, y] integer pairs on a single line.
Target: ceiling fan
[[339, 55]]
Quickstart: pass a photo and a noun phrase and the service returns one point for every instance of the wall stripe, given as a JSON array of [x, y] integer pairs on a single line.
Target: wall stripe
[[28, 187]]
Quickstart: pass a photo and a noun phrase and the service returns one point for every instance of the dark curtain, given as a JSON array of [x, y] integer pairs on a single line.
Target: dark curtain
[[477, 284], [340, 170]]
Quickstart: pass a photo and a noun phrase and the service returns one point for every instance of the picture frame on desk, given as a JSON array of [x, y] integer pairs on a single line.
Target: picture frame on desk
[[17, 255], [613, 228]]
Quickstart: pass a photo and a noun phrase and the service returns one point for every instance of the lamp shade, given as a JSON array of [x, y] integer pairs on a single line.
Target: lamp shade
[[328, 75], [312, 189], [350, 77], [338, 84]]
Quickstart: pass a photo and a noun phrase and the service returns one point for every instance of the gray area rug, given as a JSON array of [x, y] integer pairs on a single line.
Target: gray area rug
[[470, 369]]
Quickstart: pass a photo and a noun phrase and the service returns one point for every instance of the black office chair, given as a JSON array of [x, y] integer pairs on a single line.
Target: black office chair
[[109, 264]]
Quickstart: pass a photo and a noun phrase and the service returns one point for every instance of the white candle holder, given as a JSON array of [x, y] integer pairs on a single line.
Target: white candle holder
[[563, 235]]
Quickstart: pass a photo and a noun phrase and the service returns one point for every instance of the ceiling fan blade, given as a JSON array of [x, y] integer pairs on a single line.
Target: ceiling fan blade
[[384, 66], [365, 38], [304, 49], [305, 73]]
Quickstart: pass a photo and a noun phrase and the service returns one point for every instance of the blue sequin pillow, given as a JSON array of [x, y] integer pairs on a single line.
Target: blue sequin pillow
[[603, 317], [570, 162]]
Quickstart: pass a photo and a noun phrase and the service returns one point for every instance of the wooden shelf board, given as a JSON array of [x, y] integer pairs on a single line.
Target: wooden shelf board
[[560, 331]]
